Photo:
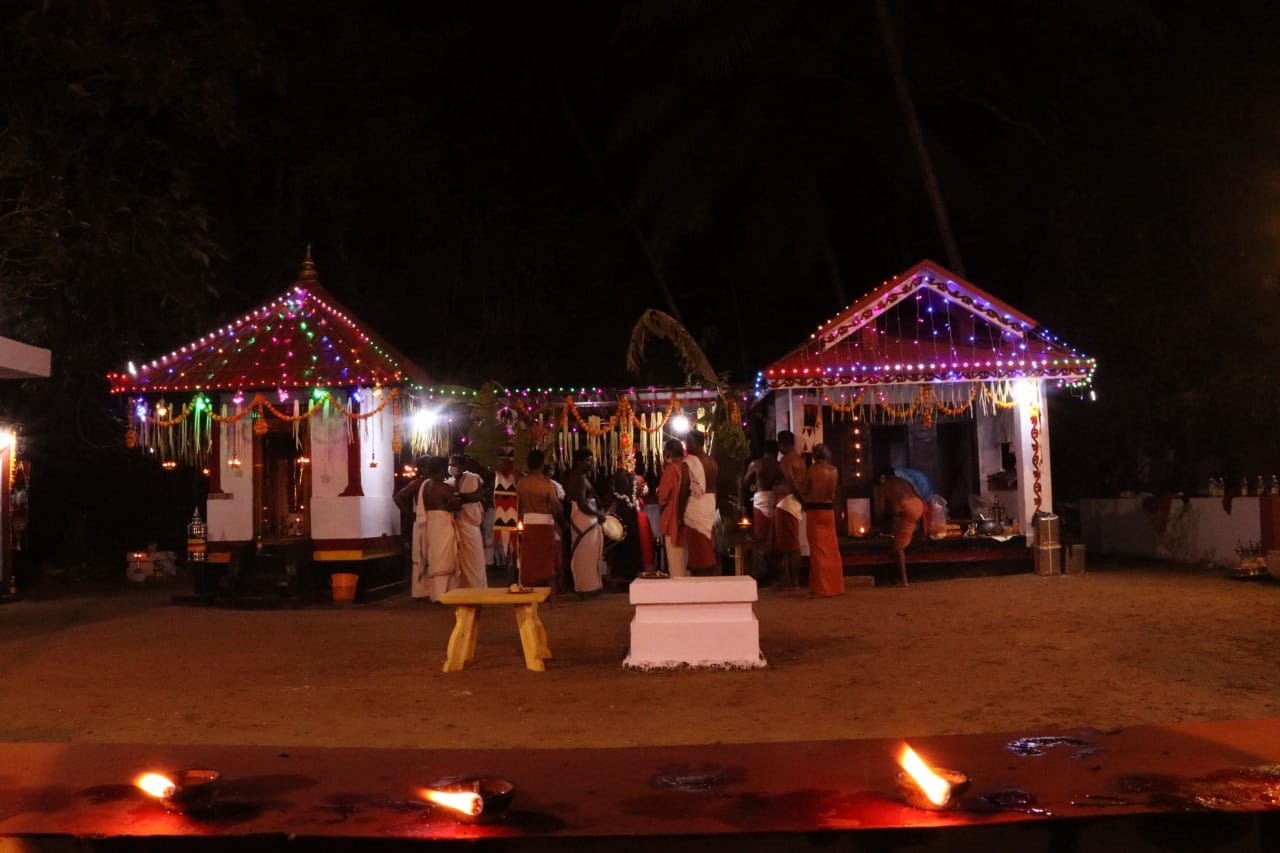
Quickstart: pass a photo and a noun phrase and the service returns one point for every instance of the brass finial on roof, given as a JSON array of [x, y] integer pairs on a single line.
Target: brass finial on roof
[[308, 271]]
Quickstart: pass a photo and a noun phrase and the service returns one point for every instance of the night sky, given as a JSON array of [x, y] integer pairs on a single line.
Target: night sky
[[502, 189]]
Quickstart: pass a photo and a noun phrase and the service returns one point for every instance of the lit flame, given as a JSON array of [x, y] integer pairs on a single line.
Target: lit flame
[[156, 785], [466, 802], [937, 789]]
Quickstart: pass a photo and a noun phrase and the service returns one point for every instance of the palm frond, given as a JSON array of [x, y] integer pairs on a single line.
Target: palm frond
[[658, 324]]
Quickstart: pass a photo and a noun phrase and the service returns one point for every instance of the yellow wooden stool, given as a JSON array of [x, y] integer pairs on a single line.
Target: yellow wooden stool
[[466, 605]]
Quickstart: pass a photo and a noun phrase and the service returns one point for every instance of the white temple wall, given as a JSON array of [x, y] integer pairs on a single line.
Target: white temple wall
[[334, 516], [1031, 403], [230, 514], [231, 511], [789, 414], [328, 458]]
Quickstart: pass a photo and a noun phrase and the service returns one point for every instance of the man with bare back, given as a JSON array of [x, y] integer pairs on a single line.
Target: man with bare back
[[435, 539], [787, 511], [820, 488]]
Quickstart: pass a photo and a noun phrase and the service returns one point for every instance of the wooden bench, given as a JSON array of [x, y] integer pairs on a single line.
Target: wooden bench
[[695, 621], [466, 605]]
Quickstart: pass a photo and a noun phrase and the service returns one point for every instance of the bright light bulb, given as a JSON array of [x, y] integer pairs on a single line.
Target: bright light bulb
[[1025, 392]]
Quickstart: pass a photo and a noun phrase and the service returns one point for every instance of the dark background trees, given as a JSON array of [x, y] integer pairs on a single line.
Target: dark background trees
[[502, 189]]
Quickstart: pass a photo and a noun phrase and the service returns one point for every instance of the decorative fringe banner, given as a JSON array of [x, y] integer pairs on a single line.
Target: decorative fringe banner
[[900, 404], [627, 438], [188, 435]]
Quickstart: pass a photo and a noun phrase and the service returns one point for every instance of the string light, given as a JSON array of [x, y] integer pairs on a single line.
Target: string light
[[905, 332], [282, 344]]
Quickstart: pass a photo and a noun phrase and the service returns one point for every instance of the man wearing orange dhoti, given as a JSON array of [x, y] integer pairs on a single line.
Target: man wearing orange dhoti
[[898, 496], [820, 487], [541, 513], [669, 522]]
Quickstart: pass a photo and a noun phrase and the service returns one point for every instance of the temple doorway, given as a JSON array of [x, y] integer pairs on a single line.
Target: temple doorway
[[282, 481]]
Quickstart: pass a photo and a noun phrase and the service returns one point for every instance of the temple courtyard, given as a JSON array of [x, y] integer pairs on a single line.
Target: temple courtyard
[[1126, 644]]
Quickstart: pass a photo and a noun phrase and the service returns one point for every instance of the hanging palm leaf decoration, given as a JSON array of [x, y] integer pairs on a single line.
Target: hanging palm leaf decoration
[[657, 324], [728, 443]]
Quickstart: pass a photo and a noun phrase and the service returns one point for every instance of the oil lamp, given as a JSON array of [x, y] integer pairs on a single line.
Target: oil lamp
[[925, 787], [471, 799], [183, 791]]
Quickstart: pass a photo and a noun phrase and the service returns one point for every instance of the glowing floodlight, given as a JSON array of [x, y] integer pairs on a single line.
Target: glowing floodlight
[[1025, 392], [680, 424]]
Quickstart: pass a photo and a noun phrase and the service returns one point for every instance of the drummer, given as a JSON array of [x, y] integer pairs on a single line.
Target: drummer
[[586, 541], [625, 556]]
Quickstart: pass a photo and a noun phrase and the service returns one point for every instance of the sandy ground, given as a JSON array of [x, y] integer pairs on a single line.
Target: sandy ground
[[1122, 645]]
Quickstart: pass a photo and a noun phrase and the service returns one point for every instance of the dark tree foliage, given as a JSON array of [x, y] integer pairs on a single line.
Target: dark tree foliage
[[113, 112]]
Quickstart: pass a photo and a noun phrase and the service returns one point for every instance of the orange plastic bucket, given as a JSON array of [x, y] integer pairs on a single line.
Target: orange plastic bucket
[[344, 587]]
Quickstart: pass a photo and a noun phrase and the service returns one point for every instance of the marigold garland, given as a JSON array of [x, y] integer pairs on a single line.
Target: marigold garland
[[658, 424], [571, 409], [852, 404], [960, 408], [186, 413], [905, 412], [260, 403], [1006, 403]]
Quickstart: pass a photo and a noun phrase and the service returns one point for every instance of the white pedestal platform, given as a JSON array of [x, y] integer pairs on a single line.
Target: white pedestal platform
[[694, 621]]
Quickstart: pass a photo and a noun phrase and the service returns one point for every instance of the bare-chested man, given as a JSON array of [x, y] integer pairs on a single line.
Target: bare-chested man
[[435, 542], [759, 479], [541, 513], [786, 517], [896, 495], [820, 488], [698, 506]]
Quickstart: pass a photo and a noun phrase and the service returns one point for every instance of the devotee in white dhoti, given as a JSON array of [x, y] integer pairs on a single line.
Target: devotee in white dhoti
[[759, 479], [698, 507], [470, 519], [435, 542], [586, 543]]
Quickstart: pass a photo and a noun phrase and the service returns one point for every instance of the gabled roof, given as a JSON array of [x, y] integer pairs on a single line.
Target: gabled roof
[[304, 338], [927, 325]]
